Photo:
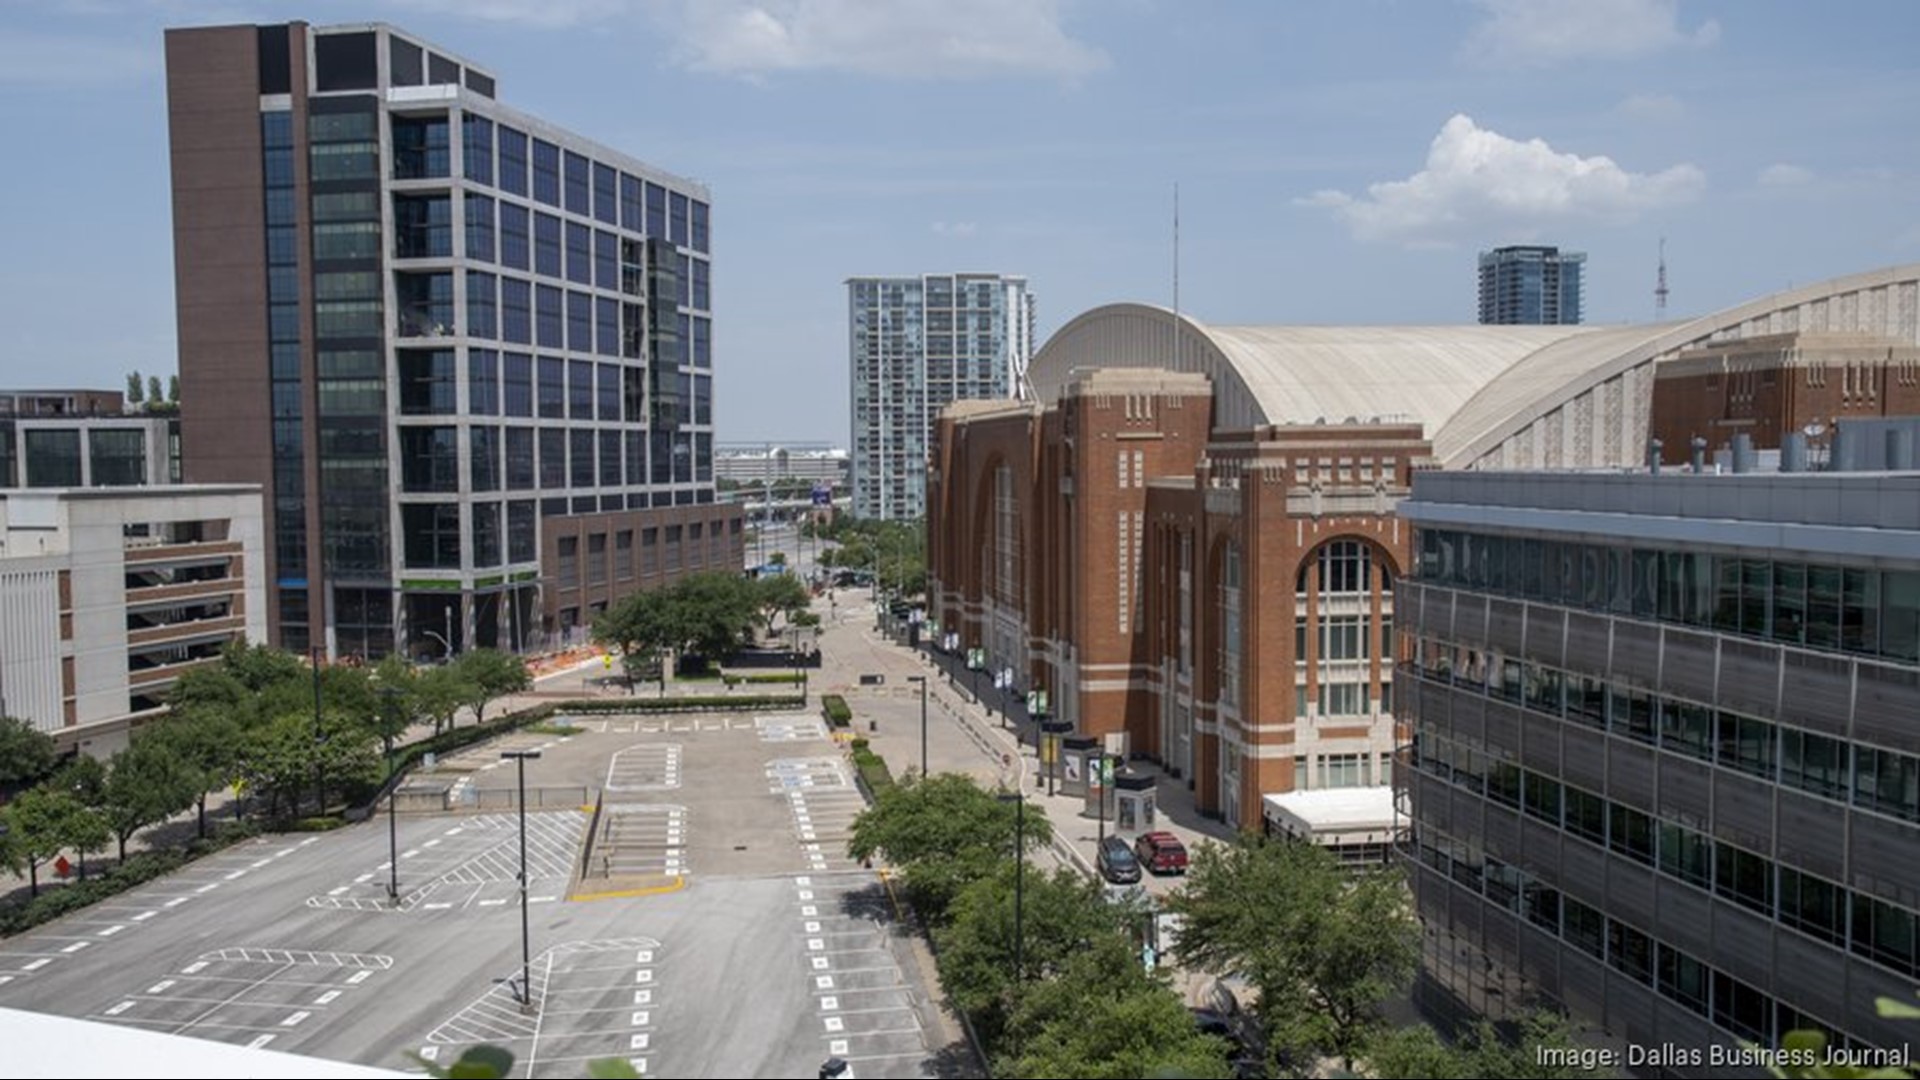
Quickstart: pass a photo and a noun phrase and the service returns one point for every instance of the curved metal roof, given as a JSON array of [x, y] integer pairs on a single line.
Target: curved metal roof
[[1470, 387]]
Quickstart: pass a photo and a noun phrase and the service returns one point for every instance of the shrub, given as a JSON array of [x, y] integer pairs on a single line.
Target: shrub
[[839, 714], [873, 769], [311, 824], [691, 703], [138, 869], [770, 677]]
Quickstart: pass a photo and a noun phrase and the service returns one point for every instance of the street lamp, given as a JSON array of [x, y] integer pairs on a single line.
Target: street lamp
[[922, 680], [526, 937], [1019, 799], [389, 701]]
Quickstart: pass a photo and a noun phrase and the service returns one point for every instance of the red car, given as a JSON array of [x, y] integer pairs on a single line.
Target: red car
[[1161, 852]]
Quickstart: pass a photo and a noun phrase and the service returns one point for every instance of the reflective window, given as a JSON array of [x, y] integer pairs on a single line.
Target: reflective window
[[513, 161], [548, 318], [477, 153], [546, 172], [517, 379], [479, 214]]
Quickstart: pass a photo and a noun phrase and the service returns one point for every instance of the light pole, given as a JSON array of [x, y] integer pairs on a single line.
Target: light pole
[[1019, 891], [317, 655], [526, 935], [389, 699], [922, 680]]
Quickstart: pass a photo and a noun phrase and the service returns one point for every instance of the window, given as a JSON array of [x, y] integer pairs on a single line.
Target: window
[[1583, 927], [1630, 833], [607, 391], [1883, 780], [432, 532], [1342, 637], [516, 311], [1632, 713], [1813, 763], [569, 562], [606, 260], [607, 326], [1629, 951], [1543, 798], [609, 458], [422, 226], [483, 306], [420, 147], [656, 211], [605, 207], [597, 559], [515, 251], [580, 389], [553, 388], [1743, 877], [579, 253], [579, 322], [579, 184], [700, 227], [1586, 815], [581, 451], [513, 161], [486, 534], [1884, 933], [520, 471], [1503, 783], [477, 153], [1812, 905], [520, 532], [546, 172], [630, 216], [1687, 728], [479, 212], [517, 377], [484, 459], [1685, 854], [429, 459], [1683, 979], [623, 554], [553, 458], [1344, 771], [546, 245], [548, 318], [427, 385], [1230, 627]]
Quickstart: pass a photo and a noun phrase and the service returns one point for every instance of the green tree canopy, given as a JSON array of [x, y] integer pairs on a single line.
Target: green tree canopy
[[1322, 945], [207, 737], [1105, 1017], [26, 753], [1480, 1052], [488, 674], [146, 783], [439, 693], [780, 596], [944, 832], [42, 821]]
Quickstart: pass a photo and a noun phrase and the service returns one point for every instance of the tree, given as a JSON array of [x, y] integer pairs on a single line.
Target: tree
[[1323, 946], [778, 595], [154, 397], [487, 674], [207, 738], [1059, 915], [397, 688], [1480, 1051], [173, 389], [1106, 1016], [944, 833], [136, 390], [26, 753], [711, 612], [39, 821], [147, 782], [439, 693]]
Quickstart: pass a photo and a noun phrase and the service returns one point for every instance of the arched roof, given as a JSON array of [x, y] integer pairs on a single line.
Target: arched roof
[[1473, 388]]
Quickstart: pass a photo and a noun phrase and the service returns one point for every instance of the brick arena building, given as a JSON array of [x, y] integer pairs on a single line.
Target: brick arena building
[[1187, 535]]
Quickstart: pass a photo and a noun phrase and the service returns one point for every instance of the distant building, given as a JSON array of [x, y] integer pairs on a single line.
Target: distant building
[[1530, 286], [107, 595], [467, 353], [915, 344], [752, 464], [84, 438], [1664, 766]]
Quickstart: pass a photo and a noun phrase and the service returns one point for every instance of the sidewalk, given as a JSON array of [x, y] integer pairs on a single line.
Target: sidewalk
[[982, 739]]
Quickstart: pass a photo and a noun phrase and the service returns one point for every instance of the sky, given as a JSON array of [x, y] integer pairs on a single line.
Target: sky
[[1337, 161]]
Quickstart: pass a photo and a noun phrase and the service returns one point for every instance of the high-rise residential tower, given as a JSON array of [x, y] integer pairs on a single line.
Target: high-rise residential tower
[[916, 344], [1530, 286], [467, 353]]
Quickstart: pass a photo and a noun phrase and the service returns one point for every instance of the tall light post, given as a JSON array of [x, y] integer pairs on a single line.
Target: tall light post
[[389, 706], [318, 656], [922, 680], [525, 996], [1019, 799]]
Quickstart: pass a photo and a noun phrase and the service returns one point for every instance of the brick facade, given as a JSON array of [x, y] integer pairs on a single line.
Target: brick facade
[[1090, 543]]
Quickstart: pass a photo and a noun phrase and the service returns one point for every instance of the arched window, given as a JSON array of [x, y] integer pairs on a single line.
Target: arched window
[[1346, 566]]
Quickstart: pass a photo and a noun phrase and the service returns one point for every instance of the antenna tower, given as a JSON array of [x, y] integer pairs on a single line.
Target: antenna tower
[[1660, 286]]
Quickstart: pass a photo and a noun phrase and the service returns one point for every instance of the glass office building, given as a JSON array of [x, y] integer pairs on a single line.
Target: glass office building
[[1530, 286], [467, 352], [1665, 768]]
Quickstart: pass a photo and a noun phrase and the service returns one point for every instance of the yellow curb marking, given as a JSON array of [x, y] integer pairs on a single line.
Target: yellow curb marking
[[679, 882]]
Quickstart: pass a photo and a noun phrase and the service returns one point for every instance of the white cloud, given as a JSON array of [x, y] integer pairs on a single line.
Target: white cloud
[[1482, 186], [1782, 174], [1540, 33], [894, 38], [955, 228], [28, 58], [550, 14]]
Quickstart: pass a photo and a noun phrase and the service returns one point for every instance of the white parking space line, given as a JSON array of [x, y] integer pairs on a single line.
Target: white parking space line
[[36, 965], [358, 977], [295, 1018], [162, 986], [260, 1042], [326, 997], [208, 887], [194, 968], [176, 901], [76, 946], [236, 875], [144, 916], [112, 930]]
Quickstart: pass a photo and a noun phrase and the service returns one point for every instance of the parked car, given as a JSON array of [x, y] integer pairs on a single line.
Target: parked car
[[1116, 861], [1161, 852]]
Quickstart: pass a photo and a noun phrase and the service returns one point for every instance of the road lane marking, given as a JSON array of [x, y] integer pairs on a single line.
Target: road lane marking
[[820, 963], [643, 976], [437, 907], [161, 986], [639, 1042], [542, 899], [176, 901], [358, 977], [120, 1008], [838, 1048], [834, 1023], [112, 930], [144, 916], [5, 979], [493, 903], [809, 909], [641, 1017], [816, 944], [829, 1003], [208, 887], [260, 1042], [643, 956], [236, 875], [295, 1018], [642, 997], [823, 982], [76, 946], [326, 997], [261, 863], [196, 966], [338, 891]]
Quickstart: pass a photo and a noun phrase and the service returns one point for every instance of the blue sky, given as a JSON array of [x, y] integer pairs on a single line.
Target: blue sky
[[1338, 162]]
